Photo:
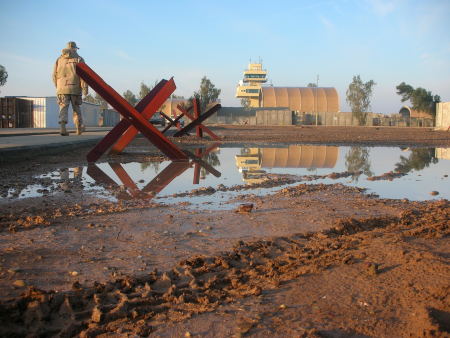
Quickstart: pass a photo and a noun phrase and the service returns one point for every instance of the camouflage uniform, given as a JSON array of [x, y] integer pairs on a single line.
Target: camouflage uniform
[[69, 87]]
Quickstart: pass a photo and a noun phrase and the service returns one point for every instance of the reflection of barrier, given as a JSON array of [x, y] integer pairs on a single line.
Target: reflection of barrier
[[198, 120], [136, 117], [199, 163], [166, 176]]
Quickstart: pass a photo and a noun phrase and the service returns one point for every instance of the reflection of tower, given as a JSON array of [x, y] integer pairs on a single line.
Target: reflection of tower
[[250, 166], [78, 173]]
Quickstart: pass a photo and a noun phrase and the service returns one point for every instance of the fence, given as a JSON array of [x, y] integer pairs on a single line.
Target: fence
[[109, 118], [348, 119], [252, 116]]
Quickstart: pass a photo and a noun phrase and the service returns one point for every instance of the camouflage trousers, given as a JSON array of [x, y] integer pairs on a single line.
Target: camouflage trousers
[[64, 100]]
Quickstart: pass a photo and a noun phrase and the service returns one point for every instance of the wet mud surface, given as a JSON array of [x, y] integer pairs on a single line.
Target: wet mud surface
[[307, 261]]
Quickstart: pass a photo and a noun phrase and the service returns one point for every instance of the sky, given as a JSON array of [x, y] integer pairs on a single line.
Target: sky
[[129, 42]]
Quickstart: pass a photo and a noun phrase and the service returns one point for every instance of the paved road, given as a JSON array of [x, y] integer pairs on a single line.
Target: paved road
[[20, 143]]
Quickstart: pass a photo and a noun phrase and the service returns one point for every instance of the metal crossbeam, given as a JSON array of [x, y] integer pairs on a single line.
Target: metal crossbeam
[[197, 114], [172, 122], [157, 102], [131, 117], [198, 122]]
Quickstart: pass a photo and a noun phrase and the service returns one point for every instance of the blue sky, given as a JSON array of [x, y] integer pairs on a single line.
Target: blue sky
[[127, 42]]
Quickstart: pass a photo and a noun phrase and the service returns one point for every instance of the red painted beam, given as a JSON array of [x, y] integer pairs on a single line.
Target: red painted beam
[[106, 142], [129, 113], [197, 114], [149, 110], [99, 176]]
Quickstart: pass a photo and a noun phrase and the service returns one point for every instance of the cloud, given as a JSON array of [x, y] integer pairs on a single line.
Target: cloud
[[18, 57], [382, 7], [122, 54], [327, 23]]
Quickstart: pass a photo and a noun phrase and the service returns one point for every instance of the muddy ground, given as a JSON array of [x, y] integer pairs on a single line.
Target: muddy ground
[[310, 260]]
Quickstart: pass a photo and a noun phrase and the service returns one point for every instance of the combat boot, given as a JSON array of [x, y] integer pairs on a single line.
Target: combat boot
[[80, 129], [63, 130]]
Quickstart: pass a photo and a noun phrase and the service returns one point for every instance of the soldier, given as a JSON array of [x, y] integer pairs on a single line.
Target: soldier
[[68, 87]]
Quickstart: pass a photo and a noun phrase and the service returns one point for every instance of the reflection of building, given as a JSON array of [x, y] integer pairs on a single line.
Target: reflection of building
[[295, 156], [443, 153], [250, 86]]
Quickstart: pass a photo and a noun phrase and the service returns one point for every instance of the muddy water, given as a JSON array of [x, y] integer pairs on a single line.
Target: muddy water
[[420, 172]]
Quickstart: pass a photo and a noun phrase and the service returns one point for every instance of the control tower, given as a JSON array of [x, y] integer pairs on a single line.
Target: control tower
[[250, 86]]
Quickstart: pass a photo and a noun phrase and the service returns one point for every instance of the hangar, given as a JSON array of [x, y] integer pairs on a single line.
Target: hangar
[[301, 99]]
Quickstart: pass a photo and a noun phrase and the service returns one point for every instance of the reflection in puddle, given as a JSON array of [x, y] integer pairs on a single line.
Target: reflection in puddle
[[218, 174], [251, 160]]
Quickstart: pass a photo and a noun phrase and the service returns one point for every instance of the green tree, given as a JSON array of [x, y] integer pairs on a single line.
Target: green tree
[[312, 84], [144, 90], [89, 98], [130, 97], [101, 102], [173, 96], [417, 160], [3, 75], [207, 93], [96, 100], [421, 99], [245, 151], [154, 165], [245, 103], [358, 98], [213, 160], [357, 159]]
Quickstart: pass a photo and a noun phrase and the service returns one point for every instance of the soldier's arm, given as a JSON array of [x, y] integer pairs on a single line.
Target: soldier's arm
[[55, 67], [84, 85]]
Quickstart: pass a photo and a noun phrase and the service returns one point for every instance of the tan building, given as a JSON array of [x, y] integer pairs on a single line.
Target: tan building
[[406, 111], [250, 86], [301, 99], [171, 104]]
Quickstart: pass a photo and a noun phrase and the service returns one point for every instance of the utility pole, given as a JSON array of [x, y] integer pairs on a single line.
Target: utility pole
[[317, 88]]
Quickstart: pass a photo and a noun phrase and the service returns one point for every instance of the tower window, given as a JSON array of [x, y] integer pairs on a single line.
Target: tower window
[[255, 76]]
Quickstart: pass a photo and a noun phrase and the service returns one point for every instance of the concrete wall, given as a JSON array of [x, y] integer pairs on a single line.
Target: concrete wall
[[442, 116], [90, 113], [252, 116], [46, 113], [330, 119], [274, 117], [110, 118]]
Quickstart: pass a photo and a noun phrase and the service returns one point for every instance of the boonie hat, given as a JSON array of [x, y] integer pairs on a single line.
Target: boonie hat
[[72, 45]]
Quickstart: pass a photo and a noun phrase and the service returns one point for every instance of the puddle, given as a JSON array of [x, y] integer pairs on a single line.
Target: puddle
[[209, 179]]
